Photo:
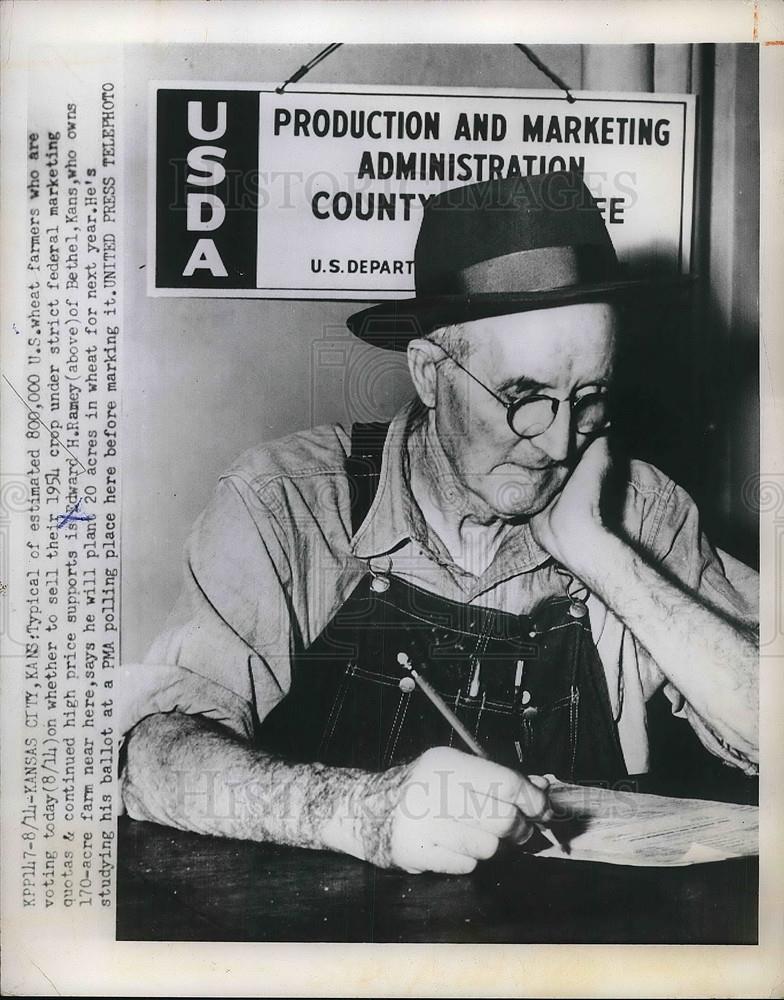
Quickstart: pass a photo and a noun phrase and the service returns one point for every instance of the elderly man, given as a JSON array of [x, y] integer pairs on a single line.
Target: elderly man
[[482, 542]]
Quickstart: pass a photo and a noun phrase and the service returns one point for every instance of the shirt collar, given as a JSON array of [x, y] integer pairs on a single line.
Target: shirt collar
[[394, 517]]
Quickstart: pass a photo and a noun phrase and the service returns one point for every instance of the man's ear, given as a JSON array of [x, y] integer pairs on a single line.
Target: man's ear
[[423, 356]]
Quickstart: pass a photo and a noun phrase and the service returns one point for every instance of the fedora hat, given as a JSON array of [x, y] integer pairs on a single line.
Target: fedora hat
[[503, 246]]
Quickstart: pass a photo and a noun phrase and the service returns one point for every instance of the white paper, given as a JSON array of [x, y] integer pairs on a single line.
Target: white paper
[[629, 828]]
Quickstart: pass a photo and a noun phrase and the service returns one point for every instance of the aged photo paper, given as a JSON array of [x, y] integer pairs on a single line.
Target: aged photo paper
[[213, 218]]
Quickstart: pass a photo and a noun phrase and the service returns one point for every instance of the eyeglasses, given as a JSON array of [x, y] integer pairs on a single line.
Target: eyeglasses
[[531, 416]]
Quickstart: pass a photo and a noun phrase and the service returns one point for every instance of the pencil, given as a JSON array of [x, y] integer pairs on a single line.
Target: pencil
[[438, 702]]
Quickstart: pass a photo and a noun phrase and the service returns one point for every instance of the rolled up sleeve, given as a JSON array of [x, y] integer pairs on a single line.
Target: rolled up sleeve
[[225, 652]]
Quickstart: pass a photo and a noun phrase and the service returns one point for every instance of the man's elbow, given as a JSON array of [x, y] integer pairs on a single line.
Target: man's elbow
[[147, 778]]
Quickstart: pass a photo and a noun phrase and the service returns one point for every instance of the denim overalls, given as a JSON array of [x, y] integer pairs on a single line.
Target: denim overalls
[[531, 689]]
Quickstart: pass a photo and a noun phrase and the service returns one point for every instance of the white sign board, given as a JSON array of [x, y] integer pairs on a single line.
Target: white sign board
[[318, 193]]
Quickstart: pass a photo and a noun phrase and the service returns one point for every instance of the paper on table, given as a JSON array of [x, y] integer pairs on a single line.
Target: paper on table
[[628, 828]]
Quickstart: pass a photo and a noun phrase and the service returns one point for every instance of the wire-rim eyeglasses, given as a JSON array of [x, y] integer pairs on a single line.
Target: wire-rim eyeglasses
[[533, 415]]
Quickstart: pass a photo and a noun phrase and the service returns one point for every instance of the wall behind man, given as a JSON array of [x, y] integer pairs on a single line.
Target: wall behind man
[[207, 378]]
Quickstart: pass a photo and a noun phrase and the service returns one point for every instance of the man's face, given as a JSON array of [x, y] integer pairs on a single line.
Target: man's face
[[561, 352]]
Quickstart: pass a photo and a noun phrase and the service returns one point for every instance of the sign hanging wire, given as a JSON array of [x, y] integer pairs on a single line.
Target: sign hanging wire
[[334, 46], [531, 55]]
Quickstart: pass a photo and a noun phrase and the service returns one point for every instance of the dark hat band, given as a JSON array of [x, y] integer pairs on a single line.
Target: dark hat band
[[541, 269]]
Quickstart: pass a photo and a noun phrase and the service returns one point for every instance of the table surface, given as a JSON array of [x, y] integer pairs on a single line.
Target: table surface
[[183, 886]]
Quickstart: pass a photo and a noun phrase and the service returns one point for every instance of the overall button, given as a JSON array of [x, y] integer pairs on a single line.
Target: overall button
[[578, 609], [407, 684], [379, 584], [526, 697]]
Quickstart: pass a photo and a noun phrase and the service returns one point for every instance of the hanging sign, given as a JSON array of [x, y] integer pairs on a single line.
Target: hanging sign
[[318, 193]]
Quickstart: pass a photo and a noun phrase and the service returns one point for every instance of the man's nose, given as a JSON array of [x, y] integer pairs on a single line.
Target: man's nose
[[556, 440]]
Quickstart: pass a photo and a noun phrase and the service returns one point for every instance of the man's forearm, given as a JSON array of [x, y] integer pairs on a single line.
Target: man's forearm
[[442, 812], [711, 661], [187, 772]]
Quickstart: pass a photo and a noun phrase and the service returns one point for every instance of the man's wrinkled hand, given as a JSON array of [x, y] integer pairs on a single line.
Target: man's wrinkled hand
[[444, 812], [570, 528]]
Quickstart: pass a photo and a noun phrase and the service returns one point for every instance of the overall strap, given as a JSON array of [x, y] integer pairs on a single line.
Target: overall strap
[[363, 468]]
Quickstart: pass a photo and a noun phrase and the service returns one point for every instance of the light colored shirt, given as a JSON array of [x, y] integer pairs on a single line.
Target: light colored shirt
[[272, 559]]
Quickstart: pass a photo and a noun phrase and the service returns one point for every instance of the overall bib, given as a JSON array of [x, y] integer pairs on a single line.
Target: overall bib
[[530, 688]]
